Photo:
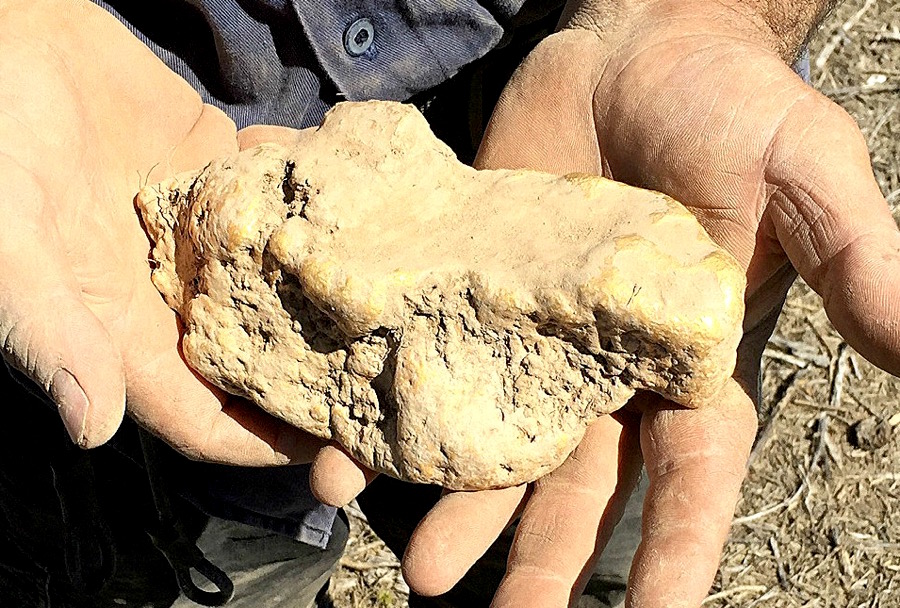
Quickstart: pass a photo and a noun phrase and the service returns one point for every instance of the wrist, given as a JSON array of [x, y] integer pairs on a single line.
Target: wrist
[[780, 26]]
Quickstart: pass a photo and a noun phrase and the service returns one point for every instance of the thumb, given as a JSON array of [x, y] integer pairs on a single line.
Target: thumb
[[49, 334], [836, 227], [549, 94]]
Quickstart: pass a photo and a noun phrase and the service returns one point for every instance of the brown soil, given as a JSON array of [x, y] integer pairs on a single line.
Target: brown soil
[[818, 524], [819, 520]]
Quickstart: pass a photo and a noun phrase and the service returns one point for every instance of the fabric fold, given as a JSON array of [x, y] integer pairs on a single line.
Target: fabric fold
[[416, 45]]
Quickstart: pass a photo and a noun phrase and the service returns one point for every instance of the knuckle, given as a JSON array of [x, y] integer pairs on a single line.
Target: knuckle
[[837, 124], [191, 449], [183, 438]]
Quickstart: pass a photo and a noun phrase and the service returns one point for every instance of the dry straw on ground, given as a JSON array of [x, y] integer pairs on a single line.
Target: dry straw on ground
[[819, 520], [818, 524]]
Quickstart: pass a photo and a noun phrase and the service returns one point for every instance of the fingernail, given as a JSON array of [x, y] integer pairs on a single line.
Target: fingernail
[[285, 447], [296, 447], [72, 403]]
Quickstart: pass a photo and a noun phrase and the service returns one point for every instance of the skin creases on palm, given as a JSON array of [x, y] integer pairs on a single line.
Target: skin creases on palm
[[81, 317], [775, 172], [780, 177]]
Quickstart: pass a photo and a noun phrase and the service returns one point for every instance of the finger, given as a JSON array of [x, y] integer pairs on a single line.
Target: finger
[[204, 424], [51, 336], [62, 347], [548, 94], [252, 136], [200, 421], [213, 134], [570, 517], [834, 225], [695, 461], [457, 531], [336, 479]]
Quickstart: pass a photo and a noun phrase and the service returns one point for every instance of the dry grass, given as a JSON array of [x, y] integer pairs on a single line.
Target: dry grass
[[818, 524], [369, 574], [819, 520], [856, 62]]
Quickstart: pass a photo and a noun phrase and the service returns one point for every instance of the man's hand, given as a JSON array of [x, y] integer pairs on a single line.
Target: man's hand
[[695, 101], [87, 116]]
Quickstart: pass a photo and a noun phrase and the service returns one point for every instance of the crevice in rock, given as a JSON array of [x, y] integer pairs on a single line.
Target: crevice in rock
[[383, 385], [318, 331], [294, 195], [287, 186]]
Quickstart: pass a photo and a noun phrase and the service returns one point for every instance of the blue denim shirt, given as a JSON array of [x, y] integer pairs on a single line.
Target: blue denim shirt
[[286, 61]]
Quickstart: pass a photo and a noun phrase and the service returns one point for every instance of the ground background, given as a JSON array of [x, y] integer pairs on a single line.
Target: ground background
[[818, 524]]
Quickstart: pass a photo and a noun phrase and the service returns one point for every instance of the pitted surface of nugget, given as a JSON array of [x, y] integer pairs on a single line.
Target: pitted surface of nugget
[[444, 325]]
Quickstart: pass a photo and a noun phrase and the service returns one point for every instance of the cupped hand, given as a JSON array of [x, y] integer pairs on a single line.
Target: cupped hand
[[89, 115], [698, 106]]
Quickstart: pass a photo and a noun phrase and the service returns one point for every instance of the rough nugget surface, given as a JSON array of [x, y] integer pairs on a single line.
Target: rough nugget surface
[[444, 325]]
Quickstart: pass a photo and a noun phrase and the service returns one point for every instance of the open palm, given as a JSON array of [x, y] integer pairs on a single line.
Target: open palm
[[97, 115], [780, 177]]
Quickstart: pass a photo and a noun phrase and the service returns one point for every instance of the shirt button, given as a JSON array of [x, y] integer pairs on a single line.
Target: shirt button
[[359, 36]]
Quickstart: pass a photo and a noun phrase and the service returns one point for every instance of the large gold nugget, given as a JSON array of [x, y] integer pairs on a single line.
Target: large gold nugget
[[444, 325]]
